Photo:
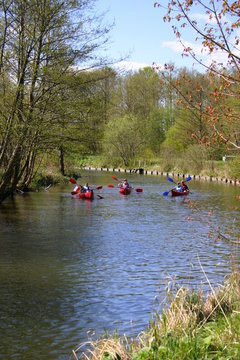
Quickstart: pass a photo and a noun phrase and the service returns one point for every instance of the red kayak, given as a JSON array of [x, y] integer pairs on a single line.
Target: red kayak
[[179, 193], [125, 191], [86, 195]]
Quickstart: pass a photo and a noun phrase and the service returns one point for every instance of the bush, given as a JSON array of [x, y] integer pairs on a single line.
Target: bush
[[44, 180], [235, 168], [194, 158]]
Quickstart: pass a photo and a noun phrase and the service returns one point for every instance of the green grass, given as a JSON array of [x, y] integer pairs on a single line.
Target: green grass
[[191, 326], [228, 169], [215, 340]]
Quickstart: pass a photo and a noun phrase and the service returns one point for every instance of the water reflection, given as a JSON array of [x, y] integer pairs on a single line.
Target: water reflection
[[69, 266]]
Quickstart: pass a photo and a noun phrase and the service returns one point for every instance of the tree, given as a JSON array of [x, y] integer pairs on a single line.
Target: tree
[[218, 35], [83, 111], [192, 90], [155, 133], [123, 138], [142, 95], [142, 92], [40, 41]]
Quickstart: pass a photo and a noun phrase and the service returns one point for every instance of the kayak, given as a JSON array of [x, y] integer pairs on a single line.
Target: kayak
[[125, 191], [179, 193], [86, 195]]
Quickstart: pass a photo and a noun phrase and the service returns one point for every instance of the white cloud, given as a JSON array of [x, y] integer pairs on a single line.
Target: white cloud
[[177, 47], [199, 51], [202, 53], [130, 66], [205, 17]]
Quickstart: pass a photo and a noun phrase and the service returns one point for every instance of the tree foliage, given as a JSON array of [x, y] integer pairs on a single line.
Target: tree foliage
[[219, 38], [40, 41], [123, 138]]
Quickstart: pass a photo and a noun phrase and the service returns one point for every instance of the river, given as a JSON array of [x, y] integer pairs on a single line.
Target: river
[[71, 269]]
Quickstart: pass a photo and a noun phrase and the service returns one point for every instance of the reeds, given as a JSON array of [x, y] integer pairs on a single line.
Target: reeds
[[108, 348], [192, 325]]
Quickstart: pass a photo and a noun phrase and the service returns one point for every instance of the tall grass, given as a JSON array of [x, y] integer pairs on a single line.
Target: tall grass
[[187, 163], [192, 325]]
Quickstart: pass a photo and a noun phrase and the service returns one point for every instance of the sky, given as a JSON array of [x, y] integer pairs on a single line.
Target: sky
[[141, 35]]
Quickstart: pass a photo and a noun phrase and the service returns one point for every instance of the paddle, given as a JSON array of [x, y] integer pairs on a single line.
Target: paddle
[[166, 193], [73, 181], [114, 178], [78, 187], [75, 190], [98, 188], [169, 179], [187, 179], [137, 190], [100, 197]]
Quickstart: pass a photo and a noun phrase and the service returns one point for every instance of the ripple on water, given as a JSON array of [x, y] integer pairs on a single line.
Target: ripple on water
[[68, 266]]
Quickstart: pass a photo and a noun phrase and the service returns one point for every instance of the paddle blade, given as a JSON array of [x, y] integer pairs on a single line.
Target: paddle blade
[[166, 193], [100, 197], [188, 178], [169, 179], [114, 178], [110, 186], [73, 181], [139, 190], [75, 190], [99, 188]]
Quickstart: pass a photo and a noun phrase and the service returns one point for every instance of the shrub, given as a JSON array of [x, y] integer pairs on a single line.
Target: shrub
[[235, 168]]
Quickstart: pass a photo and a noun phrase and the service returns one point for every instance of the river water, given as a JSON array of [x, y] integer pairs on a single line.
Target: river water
[[71, 269]]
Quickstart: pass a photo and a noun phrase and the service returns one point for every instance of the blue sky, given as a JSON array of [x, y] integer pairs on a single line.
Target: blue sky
[[141, 34]]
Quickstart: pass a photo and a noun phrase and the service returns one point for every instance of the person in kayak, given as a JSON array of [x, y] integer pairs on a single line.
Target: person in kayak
[[184, 186], [124, 184], [178, 187], [86, 188]]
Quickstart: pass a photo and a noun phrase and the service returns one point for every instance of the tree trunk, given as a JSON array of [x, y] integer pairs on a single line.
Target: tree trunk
[[61, 158]]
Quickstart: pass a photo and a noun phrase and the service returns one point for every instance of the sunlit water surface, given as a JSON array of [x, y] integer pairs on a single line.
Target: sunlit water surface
[[71, 269]]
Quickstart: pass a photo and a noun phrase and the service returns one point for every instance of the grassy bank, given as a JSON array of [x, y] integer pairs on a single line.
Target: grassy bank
[[228, 169], [49, 175], [190, 326]]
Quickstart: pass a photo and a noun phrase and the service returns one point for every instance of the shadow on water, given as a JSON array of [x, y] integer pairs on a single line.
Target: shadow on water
[[72, 268]]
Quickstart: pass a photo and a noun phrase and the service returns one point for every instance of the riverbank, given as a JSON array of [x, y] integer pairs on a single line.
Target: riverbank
[[227, 171], [141, 171], [190, 326]]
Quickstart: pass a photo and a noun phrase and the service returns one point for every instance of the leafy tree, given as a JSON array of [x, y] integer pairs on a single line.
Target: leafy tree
[[142, 92], [174, 140], [143, 95], [218, 36], [193, 98], [123, 138], [40, 41], [82, 110], [155, 133]]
